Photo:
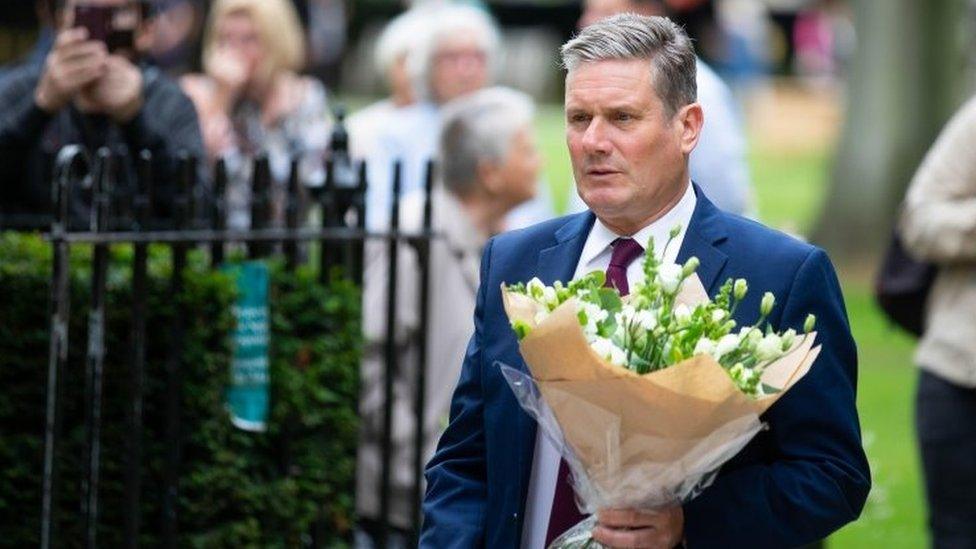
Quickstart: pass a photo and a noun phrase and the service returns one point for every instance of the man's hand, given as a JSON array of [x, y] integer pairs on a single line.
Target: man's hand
[[660, 529], [74, 63], [118, 93]]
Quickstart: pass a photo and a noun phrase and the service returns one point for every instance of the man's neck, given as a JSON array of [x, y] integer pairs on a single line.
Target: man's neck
[[630, 227]]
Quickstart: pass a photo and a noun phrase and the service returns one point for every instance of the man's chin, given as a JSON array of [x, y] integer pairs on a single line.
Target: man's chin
[[604, 201]]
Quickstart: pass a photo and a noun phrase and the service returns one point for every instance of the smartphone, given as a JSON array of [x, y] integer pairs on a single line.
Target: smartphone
[[113, 25]]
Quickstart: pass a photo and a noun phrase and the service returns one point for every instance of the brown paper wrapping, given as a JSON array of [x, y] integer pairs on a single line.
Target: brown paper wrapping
[[623, 426]]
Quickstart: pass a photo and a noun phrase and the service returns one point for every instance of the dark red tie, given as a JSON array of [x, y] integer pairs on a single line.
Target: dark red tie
[[565, 514]]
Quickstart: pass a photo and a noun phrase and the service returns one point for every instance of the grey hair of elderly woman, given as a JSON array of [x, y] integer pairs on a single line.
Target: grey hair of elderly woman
[[444, 21], [478, 128], [401, 36]]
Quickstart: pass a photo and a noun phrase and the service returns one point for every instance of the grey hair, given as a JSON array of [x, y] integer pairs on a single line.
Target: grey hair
[[399, 37], [445, 20], [479, 127], [629, 36]]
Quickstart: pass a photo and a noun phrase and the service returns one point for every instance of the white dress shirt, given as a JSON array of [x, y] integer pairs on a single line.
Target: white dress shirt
[[596, 257]]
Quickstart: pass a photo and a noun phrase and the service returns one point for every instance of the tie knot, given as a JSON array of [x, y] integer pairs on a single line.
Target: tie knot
[[625, 251]]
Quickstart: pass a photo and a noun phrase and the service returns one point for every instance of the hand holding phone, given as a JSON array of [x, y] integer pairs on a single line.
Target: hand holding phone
[[115, 26], [74, 63]]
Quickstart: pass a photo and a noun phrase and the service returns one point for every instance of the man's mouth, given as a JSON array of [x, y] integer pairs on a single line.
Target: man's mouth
[[601, 172]]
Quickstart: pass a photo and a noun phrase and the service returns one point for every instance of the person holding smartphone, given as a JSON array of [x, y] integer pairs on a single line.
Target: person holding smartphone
[[91, 90]]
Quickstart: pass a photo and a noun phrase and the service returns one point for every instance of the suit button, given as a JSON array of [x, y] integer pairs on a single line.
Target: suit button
[[514, 517]]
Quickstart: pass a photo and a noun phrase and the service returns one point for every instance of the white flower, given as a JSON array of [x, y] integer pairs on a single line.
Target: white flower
[[535, 288], [606, 350], [594, 315], [670, 276], [704, 346], [646, 320], [726, 345], [767, 304], [750, 335], [549, 297], [740, 288], [769, 347], [718, 315], [789, 337], [682, 314], [809, 324], [626, 314]]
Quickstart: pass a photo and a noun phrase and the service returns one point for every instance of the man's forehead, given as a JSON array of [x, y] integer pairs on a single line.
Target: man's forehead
[[609, 72]]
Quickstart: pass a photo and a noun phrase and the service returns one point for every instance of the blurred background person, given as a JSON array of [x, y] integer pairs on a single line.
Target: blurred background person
[[489, 165], [455, 56], [84, 93], [173, 42], [251, 100], [938, 225], [327, 35], [401, 37], [718, 164], [47, 28]]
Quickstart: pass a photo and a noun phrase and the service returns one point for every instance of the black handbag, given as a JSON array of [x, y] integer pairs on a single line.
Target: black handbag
[[902, 287]]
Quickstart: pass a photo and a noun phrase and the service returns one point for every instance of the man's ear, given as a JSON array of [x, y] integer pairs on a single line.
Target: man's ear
[[690, 120]]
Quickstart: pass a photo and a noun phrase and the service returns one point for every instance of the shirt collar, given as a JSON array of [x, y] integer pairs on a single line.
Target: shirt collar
[[601, 236]]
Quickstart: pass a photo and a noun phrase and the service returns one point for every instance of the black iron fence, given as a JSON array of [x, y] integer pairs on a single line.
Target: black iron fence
[[338, 238]]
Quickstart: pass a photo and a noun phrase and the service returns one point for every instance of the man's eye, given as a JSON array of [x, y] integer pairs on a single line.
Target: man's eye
[[623, 117], [579, 118]]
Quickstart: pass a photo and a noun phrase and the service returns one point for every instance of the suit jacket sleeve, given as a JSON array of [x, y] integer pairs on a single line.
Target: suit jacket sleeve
[[817, 478], [454, 506]]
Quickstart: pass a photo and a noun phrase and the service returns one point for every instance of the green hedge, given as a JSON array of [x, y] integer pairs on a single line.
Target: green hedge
[[237, 488]]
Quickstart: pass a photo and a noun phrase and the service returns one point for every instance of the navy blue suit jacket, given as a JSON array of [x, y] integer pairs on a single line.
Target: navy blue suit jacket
[[794, 483]]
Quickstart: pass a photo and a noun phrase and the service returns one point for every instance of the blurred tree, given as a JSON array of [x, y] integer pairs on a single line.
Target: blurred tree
[[909, 74]]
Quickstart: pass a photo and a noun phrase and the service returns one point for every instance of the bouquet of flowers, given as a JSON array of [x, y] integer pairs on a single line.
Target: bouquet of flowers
[[647, 395]]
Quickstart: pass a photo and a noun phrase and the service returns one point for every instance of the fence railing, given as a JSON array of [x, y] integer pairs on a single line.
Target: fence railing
[[340, 238]]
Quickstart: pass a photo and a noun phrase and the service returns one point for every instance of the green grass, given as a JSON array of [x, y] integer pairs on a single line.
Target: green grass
[[557, 172], [895, 513], [790, 188]]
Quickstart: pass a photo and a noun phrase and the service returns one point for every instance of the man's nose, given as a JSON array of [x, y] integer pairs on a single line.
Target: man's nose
[[595, 139]]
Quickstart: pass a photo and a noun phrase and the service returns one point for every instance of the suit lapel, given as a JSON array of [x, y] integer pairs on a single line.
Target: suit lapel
[[559, 262], [705, 231]]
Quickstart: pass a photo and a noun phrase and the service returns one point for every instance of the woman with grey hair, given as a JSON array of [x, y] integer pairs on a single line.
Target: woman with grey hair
[[398, 41], [489, 166], [453, 57]]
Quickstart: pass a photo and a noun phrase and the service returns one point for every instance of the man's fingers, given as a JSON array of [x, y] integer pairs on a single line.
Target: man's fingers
[[77, 76], [628, 518], [639, 538], [82, 50], [82, 76], [71, 36]]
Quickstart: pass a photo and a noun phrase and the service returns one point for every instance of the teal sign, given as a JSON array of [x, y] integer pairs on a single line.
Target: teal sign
[[247, 395]]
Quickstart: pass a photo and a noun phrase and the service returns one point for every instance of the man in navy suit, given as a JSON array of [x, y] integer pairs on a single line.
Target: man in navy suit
[[631, 122]]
